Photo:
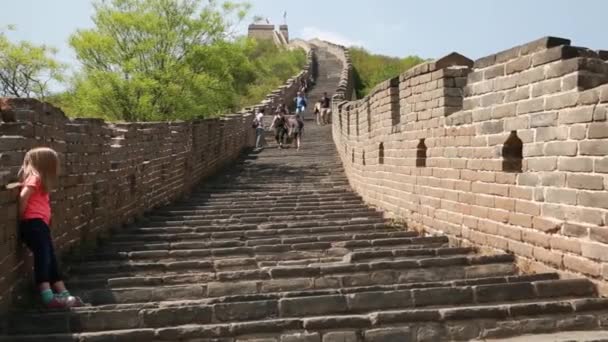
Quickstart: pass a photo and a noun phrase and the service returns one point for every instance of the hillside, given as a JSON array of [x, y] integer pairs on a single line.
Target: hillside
[[371, 69]]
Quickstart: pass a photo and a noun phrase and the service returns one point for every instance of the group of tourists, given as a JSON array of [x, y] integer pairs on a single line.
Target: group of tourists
[[288, 126]]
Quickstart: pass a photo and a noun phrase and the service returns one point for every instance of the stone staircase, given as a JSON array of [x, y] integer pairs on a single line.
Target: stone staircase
[[278, 249]]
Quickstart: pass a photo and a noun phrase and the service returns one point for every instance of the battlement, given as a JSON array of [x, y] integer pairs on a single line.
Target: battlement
[[507, 152]]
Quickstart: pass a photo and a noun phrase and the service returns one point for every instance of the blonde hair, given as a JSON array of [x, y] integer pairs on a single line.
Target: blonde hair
[[41, 162]]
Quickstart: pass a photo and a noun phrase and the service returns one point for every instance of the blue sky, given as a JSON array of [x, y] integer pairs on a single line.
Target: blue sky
[[428, 28]]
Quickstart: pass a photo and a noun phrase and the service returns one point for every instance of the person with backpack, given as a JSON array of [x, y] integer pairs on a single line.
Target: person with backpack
[[278, 123], [258, 124]]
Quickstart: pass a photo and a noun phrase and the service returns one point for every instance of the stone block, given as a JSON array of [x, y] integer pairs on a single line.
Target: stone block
[[246, 310], [601, 165], [494, 71], [530, 76], [578, 132], [301, 337], [554, 54], [575, 115], [547, 87], [366, 301], [317, 305], [340, 336], [401, 334], [516, 124], [542, 164], [492, 99], [561, 148], [502, 111], [575, 230], [578, 164], [564, 196], [595, 251], [598, 130], [530, 106], [594, 148], [565, 67], [492, 127], [562, 100], [156, 318], [588, 182], [518, 65], [551, 133]]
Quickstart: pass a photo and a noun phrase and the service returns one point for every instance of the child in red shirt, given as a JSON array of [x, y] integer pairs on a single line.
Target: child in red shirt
[[38, 176]]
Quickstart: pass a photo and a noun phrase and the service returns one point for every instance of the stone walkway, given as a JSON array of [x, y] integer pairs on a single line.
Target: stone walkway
[[279, 249]]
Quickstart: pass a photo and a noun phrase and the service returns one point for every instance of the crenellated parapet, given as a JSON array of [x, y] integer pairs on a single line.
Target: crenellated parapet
[[508, 152]]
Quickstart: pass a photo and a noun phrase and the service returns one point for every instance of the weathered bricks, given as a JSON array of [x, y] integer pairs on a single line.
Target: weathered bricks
[[551, 96]]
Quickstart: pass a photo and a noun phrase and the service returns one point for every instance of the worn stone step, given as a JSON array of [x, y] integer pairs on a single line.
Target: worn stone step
[[274, 216], [229, 248], [120, 296], [293, 221], [259, 208], [203, 247], [354, 274], [238, 238], [467, 322], [301, 304], [132, 263], [256, 193], [254, 231]]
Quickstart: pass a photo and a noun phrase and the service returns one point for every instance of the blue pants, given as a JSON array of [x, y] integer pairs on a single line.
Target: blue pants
[[37, 237]]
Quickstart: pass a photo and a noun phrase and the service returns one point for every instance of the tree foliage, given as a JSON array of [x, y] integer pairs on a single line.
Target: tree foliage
[[170, 59], [371, 69], [26, 69]]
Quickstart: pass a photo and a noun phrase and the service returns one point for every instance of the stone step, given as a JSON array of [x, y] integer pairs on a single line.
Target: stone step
[[275, 199], [353, 274], [125, 296], [252, 231], [460, 323], [258, 208], [216, 248], [295, 221], [132, 263], [239, 239], [302, 304], [302, 214]]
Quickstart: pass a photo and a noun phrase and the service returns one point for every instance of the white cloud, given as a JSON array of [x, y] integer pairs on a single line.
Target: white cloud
[[334, 37]]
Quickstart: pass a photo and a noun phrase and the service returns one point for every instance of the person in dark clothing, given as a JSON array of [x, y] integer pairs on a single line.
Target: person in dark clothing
[[325, 108], [278, 123]]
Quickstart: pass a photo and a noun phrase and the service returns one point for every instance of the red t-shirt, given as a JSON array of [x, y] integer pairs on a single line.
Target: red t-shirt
[[38, 205]]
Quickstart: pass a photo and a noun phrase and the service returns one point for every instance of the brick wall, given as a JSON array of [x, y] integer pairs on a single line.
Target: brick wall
[[111, 173], [508, 153]]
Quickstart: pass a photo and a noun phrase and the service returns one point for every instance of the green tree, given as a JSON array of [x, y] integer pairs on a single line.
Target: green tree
[[158, 59], [26, 69], [371, 69]]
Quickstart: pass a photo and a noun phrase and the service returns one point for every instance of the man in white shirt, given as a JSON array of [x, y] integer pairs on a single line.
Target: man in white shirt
[[258, 123]]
